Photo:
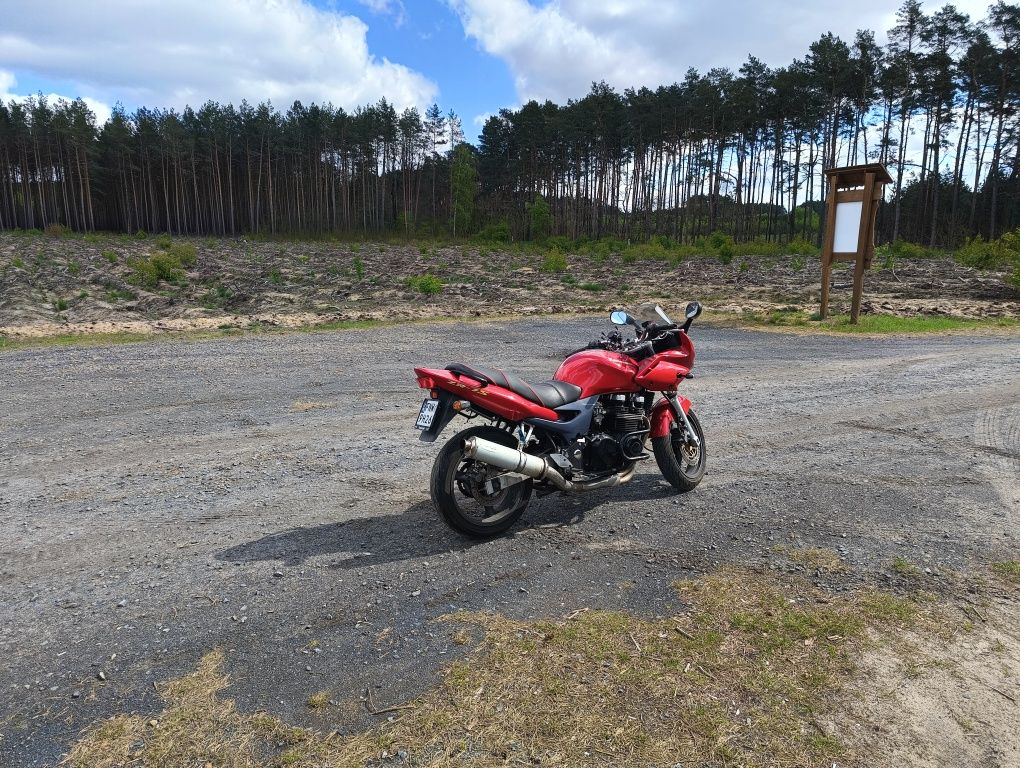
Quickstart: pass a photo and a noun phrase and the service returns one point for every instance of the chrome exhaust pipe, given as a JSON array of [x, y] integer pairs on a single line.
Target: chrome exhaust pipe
[[535, 467]]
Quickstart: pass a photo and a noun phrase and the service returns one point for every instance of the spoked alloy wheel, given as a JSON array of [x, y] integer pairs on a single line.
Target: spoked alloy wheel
[[681, 462], [457, 488]]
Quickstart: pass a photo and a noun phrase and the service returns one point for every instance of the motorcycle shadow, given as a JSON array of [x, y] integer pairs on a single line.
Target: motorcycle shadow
[[418, 532]]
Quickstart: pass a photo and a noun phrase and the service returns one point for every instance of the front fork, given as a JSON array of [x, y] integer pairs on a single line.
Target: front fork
[[678, 411]]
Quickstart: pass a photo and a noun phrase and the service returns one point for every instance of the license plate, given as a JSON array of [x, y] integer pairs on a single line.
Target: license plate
[[426, 414]]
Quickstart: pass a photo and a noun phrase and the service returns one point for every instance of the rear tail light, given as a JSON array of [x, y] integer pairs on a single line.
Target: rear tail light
[[426, 382]]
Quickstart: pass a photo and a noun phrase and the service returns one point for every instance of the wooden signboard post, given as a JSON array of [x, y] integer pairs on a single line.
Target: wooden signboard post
[[850, 212]]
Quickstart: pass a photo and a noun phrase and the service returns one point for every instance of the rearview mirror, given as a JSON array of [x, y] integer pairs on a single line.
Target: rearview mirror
[[621, 318], [693, 310]]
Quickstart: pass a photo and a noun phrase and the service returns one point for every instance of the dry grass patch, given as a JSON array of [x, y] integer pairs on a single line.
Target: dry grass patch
[[744, 678], [815, 558]]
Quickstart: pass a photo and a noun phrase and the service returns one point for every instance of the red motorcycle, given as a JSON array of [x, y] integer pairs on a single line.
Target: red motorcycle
[[586, 429]]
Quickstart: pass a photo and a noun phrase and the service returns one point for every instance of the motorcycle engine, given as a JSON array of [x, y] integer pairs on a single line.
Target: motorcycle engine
[[619, 428]]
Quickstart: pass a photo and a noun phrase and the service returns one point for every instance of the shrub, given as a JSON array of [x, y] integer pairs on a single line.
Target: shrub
[[57, 230], [164, 242], [359, 267], [726, 252], [654, 250], [275, 276], [592, 287], [539, 219], [18, 262], [554, 261], [495, 233], [73, 267], [111, 257], [427, 284], [60, 305], [141, 234], [185, 253], [982, 254], [801, 247], [162, 266], [797, 263]]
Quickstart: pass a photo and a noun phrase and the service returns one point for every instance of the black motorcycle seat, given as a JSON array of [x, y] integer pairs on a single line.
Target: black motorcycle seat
[[551, 394]]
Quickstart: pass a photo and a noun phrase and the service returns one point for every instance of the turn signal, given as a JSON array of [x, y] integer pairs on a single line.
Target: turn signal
[[434, 394], [458, 405]]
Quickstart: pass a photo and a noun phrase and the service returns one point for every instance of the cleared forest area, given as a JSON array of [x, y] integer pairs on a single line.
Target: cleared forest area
[[62, 283]]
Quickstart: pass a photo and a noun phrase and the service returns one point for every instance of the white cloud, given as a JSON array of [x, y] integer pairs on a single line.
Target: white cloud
[[394, 8], [179, 52], [556, 50], [8, 82]]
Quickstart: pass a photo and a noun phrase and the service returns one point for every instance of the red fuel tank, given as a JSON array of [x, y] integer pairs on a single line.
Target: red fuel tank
[[598, 372]]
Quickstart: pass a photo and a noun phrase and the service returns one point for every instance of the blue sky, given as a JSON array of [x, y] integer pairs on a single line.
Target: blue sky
[[472, 56]]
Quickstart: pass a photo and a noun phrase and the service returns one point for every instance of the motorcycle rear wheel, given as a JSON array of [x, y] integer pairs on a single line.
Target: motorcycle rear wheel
[[456, 488], [682, 465]]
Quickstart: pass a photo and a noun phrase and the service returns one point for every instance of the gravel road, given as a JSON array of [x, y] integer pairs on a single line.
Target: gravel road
[[268, 495]]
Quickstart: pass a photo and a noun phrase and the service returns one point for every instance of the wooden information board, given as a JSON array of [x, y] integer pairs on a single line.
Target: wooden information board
[[851, 207]]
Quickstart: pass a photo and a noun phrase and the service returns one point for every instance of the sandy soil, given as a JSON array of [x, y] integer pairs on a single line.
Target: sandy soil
[[53, 286]]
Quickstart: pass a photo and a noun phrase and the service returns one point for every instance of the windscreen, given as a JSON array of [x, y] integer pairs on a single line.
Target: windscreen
[[651, 312]]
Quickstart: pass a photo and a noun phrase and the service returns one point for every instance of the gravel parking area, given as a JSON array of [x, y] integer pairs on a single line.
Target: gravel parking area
[[268, 496]]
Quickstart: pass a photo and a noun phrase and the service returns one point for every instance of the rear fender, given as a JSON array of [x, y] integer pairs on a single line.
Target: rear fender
[[444, 415], [662, 417]]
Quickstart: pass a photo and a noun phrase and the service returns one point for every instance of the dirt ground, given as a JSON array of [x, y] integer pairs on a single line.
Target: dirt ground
[[266, 495], [73, 285]]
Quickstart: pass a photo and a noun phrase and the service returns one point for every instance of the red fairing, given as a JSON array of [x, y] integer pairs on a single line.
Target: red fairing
[[598, 372], [662, 416], [493, 399]]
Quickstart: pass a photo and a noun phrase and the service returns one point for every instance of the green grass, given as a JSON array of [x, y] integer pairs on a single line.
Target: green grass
[[1008, 569]]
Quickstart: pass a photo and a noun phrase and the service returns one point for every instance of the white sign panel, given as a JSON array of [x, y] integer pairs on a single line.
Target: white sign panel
[[848, 227]]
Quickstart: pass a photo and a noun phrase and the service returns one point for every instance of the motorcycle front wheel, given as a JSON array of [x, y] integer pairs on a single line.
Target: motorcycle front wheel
[[682, 464], [457, 488]]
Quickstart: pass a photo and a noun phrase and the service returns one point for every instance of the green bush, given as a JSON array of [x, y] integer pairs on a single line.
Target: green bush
[[983, 254], [495, 233], [540, 220], [185, 253], [901, 249], [427, 284], [60, 305], [554, 261], [801, 247], [592, 287], [993, 254], [359, 268], [111, 257], [162, 266], [164, 242], [726, 252]]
